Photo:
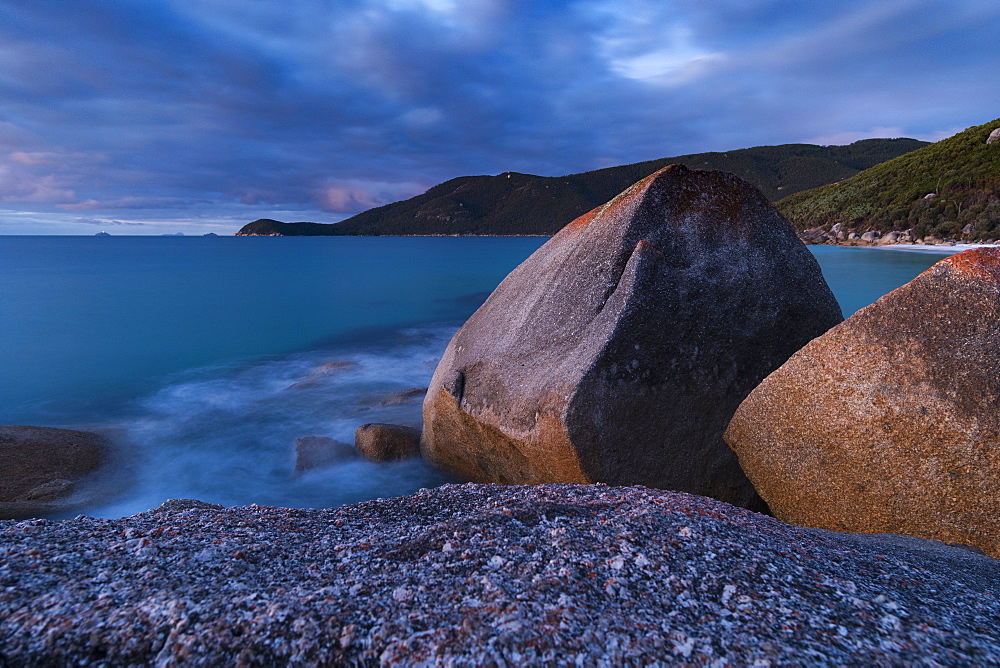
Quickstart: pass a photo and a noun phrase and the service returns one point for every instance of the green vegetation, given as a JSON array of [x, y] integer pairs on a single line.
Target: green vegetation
[[268, 227], [513, 203], [948, 190]]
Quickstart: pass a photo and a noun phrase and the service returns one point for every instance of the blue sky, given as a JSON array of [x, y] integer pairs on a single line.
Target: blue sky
[[195, 116]]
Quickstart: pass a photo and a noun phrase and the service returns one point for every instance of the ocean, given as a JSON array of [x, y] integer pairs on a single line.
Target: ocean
[[208, 356]]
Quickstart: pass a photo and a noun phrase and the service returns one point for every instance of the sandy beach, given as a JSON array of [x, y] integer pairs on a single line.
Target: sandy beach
[[934, 248]]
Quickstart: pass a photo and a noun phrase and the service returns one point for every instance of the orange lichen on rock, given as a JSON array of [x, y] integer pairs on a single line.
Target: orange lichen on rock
[[583, 221], [981, 263]]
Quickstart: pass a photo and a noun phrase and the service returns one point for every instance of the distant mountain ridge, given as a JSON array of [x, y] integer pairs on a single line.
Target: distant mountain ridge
[[523, 204], [947, 190]]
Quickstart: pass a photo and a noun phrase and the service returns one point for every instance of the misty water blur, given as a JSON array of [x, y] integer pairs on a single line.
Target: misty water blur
[[208, 357]]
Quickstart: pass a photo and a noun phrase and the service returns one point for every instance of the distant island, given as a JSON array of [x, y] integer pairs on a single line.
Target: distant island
[[511, 203]]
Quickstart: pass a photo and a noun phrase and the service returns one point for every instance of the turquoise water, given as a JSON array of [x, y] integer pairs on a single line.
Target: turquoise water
[[208, 357]]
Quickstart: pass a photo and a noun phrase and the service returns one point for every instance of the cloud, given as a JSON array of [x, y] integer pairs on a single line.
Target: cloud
[[43, 177], [310, 106], [353, 197], [130, 203], [104, 222]]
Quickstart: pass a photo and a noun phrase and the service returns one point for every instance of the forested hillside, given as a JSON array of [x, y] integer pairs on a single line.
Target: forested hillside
[[513, 203], [947, 190]]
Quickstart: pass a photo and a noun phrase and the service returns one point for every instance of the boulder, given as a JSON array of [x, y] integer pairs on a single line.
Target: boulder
[[814, 235], [871, 237], [619, 350], [380, 442], [889, 422], [994, 136], [312, 452], [40, 465]]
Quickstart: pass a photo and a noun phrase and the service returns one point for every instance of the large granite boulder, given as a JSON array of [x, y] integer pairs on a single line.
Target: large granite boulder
[[40, 466], [890, 422], [619, 350]]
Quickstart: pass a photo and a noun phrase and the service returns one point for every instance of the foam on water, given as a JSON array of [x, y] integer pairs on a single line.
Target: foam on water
[[207, 358], [226, 433]]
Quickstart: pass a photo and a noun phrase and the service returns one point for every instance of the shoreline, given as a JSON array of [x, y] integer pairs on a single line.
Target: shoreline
[[944, 247]]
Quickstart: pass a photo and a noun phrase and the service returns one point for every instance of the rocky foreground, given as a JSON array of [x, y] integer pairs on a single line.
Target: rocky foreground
[[486, 574]]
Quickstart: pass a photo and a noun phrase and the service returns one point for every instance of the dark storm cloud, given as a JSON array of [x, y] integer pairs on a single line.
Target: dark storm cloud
[[339, 106]]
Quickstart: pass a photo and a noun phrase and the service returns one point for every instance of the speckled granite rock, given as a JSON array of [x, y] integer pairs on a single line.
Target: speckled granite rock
[[39, 467], [890, 422], [487, 575], [619, 350]]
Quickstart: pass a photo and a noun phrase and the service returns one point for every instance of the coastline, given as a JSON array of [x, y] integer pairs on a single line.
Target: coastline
[[948, 247], [837, 235]]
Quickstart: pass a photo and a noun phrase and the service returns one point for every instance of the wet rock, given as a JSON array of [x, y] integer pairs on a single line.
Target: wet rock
[[379, 442], [618, 351], [52, 489], [39, 465], [407, 396], [889, 421], [321, 373], [312, 452]]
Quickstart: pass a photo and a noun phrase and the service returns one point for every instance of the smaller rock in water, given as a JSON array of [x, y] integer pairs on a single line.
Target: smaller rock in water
[[313, 452], [380, 442], [321, 373], [53, 489], [407, 396], [39, 465]]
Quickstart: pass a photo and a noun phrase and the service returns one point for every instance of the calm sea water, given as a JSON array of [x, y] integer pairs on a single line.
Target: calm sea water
[[209, 356]]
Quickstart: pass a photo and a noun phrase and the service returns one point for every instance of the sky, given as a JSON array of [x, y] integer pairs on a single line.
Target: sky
[[197, 116]]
